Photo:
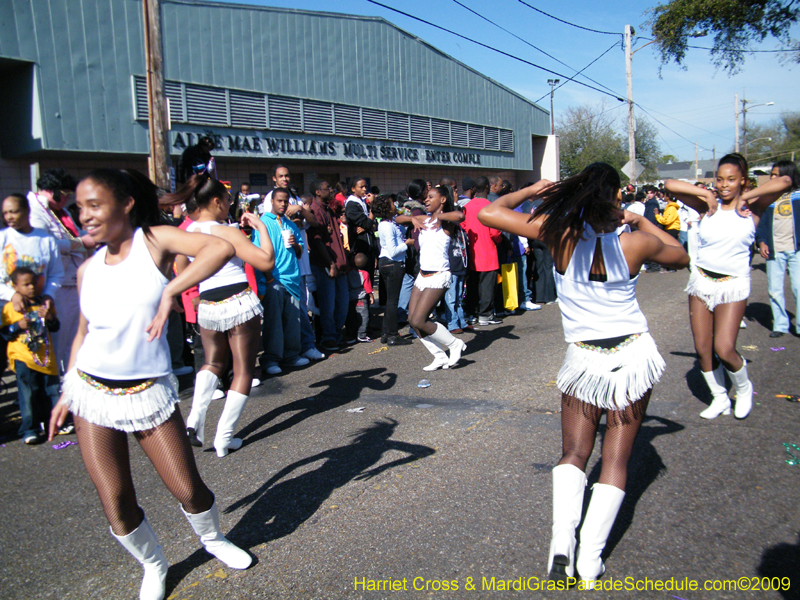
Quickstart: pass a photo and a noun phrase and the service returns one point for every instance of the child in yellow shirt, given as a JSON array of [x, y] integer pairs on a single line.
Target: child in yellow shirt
[[31, 354]]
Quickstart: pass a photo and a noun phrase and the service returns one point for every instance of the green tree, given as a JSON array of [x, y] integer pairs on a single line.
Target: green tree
[[777, 140], [588, 134], [735, 25]]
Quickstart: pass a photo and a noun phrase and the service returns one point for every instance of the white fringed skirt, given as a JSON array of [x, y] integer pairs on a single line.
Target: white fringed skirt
[[138, 408], [714, 292], [230, 312], [611, 378], [439, 280]]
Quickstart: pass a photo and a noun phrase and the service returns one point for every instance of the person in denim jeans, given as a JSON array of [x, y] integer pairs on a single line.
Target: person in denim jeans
[[30, 351], [776, 237]]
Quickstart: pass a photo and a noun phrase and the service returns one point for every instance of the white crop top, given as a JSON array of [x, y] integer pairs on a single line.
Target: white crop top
[[434, 247], [596, 310], [119, 301], [231, 273], [724, 241]]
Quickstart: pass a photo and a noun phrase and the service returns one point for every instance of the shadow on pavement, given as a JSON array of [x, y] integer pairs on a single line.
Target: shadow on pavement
[[645, 467], [761, 313], [283, 503], [340, 390], [781, 561]]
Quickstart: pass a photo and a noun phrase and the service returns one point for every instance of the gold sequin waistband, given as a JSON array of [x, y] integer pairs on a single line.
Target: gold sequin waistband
[[101, 387], [237, 296], [626, 342]]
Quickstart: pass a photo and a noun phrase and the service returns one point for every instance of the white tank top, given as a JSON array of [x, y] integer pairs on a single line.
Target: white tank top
[[724, 241], [434, 247], [597, 310], [119, 301], [231, 273]]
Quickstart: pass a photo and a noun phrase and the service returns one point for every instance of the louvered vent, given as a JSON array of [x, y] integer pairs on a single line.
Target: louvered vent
[[373, 122], [284, 113], [420, 130], [492, 138], [140, 98], [174, 93], [248, 110], [459, 135], [440, 132], [318, 116], [475, 136], [506, 140], [398, 127], [347, 120], [207, 106]]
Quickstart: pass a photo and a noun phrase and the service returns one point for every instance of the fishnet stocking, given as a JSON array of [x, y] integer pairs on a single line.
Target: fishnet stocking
[[243, 343], [579, 422], [716, 332], [107, 460]]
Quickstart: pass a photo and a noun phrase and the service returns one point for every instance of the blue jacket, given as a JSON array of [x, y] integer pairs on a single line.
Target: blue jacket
[[764, 230]]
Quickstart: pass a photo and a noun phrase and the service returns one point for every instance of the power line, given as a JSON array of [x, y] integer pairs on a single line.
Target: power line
[[614, 45], [705, 48], [670, 129], [522, 60], [684, 122], [524, 41], [567, 22]]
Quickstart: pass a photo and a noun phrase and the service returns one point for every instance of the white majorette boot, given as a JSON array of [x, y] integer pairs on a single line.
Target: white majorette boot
[[439, 357], [600, 517], [144, 547], [205, 384], [224, 440], [720, 403], [569, 483], [206, 525], [456, 346], [744, 391]]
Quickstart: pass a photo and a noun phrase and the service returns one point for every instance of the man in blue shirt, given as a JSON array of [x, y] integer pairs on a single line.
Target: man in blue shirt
[[280, 290]]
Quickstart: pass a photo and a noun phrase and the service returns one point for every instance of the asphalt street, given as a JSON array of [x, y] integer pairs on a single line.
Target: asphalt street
[[350, 475]]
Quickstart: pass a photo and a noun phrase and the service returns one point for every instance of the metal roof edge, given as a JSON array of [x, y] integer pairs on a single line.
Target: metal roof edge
[[361, 18]]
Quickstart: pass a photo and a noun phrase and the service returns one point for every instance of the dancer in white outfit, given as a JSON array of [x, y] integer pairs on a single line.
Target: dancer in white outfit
[[229, 315], [612, 362], [434, 278], [720, 281], [120, 376]]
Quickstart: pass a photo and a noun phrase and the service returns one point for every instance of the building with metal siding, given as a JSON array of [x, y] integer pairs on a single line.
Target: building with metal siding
[[324, 93]]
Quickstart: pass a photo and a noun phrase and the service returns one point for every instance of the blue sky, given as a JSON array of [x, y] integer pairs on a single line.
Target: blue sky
[[695, 104]]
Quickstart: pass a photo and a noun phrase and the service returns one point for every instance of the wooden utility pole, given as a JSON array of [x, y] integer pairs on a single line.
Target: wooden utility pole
[[736, 119], [631, 118], [156, 101]]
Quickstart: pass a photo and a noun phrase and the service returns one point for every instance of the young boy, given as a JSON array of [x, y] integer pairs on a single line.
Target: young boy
[[361, 297], [30, 353]]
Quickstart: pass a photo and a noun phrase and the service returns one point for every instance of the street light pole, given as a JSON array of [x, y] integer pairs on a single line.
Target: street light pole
[[745, 102], [631, 119], [552, 83]]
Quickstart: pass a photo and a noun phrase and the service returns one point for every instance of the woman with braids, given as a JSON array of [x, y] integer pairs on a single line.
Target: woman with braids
[[612, 362], [119, 379], [434, 278], [720, 281], [229, 314]]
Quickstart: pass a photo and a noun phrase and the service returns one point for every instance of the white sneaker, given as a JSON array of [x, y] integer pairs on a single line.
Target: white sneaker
[[531, 305], [218, 394], [300, 361], [274, 369], [743, 325], [313, 354], [256, 382]]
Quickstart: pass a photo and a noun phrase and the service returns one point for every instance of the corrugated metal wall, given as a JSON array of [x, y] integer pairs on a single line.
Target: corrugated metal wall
[[88, 49]]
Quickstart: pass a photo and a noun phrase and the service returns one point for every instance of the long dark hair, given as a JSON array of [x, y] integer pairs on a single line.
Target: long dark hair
[[588, 197], [787, 167], [449, 206], [131, 184], [416, 189], [202, 188]]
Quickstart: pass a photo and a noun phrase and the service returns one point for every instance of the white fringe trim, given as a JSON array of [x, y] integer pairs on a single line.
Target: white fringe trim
[[134, 412], [225, 315], [611, 381], [714, 293], [439, 281]]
